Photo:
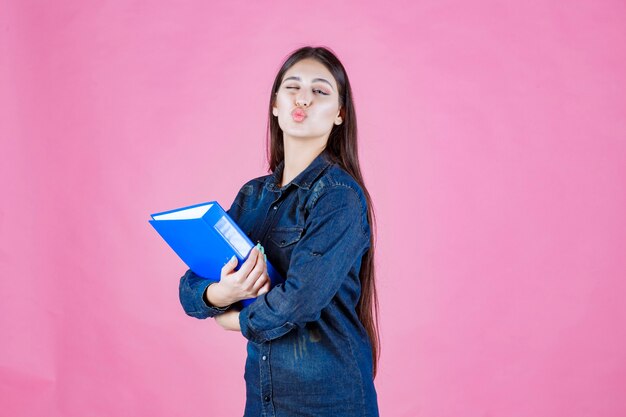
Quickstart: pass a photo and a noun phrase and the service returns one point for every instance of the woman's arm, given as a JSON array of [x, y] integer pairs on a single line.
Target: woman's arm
[[229, 320], [336, 238], [202, 298]]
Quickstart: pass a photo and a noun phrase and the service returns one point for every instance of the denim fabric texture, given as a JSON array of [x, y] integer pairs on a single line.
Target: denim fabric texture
[[308, 353]]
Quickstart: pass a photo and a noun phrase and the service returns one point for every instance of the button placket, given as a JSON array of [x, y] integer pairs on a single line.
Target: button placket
[[270, 215], [266, 379]]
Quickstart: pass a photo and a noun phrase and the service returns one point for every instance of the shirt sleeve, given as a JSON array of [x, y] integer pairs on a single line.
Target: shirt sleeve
[[335, 238], [191, 294]]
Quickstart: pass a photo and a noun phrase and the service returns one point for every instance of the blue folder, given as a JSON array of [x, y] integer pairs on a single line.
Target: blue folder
[[205, 237]]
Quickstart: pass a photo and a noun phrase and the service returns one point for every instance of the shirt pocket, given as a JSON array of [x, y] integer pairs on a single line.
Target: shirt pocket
[[285, 236], [282, 241]]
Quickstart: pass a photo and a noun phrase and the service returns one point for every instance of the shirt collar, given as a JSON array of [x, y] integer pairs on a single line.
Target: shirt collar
[[305, 178]]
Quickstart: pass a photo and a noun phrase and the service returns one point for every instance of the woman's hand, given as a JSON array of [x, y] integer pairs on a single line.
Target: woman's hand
[[229, 320], [251, 280]]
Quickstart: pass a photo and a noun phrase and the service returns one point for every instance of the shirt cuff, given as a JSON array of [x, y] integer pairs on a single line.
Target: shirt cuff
[[194, 302], [260, 336]]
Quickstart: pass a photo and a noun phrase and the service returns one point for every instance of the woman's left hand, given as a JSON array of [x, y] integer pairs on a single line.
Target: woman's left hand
[[229, 320]]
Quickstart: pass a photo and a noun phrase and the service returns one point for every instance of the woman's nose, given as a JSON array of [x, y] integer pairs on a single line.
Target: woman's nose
[[303, 99]]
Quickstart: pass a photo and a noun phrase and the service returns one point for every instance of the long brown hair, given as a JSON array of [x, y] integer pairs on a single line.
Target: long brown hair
[[342, 149]]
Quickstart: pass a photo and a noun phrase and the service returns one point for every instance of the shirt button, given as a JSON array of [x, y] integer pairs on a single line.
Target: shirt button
[[266, 398], [264, 357], [275, 207]]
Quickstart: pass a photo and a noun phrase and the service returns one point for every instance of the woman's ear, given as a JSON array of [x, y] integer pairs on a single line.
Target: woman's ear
[[339, 118], [274, 111]]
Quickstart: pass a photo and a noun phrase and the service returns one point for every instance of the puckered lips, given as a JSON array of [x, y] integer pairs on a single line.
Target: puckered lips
[[298, 114]]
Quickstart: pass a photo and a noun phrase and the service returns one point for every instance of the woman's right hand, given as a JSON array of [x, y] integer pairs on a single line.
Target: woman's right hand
[[251, 280]]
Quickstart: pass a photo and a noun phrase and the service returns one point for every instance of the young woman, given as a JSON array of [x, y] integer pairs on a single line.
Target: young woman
[[313, 342]]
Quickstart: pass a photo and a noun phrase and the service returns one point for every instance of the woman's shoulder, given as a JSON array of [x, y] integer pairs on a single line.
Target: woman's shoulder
[[337, 188], [250, 186], [339, 181], [249, 193]]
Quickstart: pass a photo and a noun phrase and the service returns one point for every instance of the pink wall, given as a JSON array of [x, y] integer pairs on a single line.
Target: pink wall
[[492, 140]]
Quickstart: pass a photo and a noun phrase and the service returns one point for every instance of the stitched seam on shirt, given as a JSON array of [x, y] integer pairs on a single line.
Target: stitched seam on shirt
[[358, 369]]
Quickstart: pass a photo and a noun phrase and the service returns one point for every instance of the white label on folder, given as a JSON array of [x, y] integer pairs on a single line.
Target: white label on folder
[[230, 233], [190, 213]]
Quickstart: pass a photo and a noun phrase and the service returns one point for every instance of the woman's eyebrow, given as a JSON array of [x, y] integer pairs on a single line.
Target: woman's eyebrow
[[314, 79]]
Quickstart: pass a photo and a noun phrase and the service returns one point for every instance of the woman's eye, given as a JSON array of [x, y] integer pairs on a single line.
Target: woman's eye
[[314, 90]]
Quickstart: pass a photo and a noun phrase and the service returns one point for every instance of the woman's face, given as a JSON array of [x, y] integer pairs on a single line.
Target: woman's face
[[307, 101]]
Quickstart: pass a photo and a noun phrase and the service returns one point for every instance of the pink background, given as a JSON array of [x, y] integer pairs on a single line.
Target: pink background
[[492, 139]]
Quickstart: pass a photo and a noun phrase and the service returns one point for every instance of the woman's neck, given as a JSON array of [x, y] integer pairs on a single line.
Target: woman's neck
[[298, 156]]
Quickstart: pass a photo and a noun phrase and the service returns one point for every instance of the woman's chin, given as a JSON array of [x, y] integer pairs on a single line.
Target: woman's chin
[[304, 134]]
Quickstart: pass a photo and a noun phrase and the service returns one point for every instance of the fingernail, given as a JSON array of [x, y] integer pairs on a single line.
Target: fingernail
[[233, 258], [262, 250], [265, 257]]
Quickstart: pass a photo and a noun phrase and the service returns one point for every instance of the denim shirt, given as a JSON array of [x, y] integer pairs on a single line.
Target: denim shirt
[[308, 352]]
